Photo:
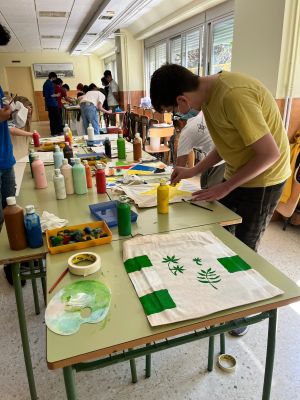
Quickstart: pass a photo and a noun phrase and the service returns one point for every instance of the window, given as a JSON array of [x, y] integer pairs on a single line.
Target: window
[[221, 46], [111, 65], [156, 57], [175, 50], [192, 51]]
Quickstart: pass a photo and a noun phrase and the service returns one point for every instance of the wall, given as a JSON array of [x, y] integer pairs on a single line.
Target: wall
[[87, 69], [257, 39]]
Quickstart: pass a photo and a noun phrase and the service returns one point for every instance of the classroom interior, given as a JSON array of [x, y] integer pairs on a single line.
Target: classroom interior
[[132, 39]]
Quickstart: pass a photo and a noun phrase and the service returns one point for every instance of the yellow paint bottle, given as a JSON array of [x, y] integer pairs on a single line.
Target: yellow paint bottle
[[163, 198]]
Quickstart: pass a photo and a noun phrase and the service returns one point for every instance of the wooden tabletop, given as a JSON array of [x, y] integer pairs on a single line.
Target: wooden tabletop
[[127, 325]]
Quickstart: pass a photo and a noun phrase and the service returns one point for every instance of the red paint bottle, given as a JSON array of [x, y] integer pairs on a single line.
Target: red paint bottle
[[88, 174], [100, 179], [36, 139]]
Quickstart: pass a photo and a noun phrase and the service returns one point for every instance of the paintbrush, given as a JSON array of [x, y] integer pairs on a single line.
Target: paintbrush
[[58, 280], [197, 205]]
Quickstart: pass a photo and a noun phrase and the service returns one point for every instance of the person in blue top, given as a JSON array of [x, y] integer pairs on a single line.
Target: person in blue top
[[52, 105]]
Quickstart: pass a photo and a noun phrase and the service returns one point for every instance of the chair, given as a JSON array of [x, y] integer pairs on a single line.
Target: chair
[[144, 129], [140, 111], [158, 116], [134, 122], [164, 149], [287, 209], [168, 118]]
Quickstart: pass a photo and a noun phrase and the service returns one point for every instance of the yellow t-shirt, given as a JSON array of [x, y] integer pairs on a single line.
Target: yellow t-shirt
[[240, 111]]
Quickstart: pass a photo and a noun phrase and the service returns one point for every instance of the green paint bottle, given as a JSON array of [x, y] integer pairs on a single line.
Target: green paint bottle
[[121, 145], [124, 216]]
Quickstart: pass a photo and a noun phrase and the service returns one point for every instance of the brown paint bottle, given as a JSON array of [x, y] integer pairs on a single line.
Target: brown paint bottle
[[14, 222], [137, 147]]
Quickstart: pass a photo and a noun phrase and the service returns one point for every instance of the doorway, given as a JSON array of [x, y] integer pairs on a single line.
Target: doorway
[[20, 82]]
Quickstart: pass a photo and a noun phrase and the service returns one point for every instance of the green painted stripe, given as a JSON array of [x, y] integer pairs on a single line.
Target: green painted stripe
[[157, 301], [137, 263], [234, 264]]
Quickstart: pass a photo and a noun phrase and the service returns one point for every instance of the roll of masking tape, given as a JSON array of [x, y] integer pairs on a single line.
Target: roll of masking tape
[[227, 362], [84, 263]]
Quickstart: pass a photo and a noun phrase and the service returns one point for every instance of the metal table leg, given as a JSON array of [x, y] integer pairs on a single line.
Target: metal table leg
[[270, 355], [133, 370], [43, 279], [34, 288], [210, 363], [148, 364], [222, 343], [69, 379], [23, 328]]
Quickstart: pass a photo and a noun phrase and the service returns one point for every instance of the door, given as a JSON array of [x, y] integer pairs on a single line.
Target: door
[[20, 82]]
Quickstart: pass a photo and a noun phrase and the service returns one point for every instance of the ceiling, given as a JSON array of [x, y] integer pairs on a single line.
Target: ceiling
[[80, 26]]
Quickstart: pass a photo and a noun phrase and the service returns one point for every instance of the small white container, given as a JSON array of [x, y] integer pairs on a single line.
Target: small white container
[[155, 143]]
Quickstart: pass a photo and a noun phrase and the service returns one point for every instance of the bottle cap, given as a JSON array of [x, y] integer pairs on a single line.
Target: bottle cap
[[77, 160], [65, 161], [57, 171], [99, 166], [85, 162], [36, 156], [66, 126], [90, 125], [124, 199], [31, 151], [120, 135], [107, 138], [29, 209], [56, 147], [163, 182], [137, 135], [11, 201]]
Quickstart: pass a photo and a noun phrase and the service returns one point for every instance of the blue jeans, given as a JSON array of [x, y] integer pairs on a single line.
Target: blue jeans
[[89, 114], [7, 188]]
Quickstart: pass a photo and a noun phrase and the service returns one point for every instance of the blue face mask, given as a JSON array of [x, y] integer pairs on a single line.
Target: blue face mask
[[190, 114]]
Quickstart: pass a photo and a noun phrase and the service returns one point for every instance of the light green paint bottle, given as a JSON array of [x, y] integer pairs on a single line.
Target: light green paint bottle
[[79, 178]]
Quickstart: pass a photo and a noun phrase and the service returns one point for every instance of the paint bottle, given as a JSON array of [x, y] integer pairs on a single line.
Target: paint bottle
[[33, 228], [163, 198], [121, 147], [100, 179], [57, 157], [14, 222], [124, 216], [68, 152], [36, 139], [39, 173], [79, 179], [31, 158], [67, 139], [72, 161], [59, 185], [91, 132], [66, 170], [137, 147], [88, 174], [107, 147], [67, 131]]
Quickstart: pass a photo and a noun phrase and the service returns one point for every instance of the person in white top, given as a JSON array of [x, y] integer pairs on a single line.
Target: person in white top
[[113, 94], [90, 103], [195, 135]]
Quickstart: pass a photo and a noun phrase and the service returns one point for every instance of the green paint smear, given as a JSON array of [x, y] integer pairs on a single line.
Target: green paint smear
[[137, 263], [234, 264]]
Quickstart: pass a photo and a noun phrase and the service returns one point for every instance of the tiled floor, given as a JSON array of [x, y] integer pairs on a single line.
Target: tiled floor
[[177, 374]]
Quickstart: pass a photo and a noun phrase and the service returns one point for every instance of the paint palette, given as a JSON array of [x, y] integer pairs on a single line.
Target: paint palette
[[84, 301]]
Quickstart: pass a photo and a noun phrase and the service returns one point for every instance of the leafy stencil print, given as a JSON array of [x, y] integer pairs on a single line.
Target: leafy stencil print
[[209, 276], [198, 261], [173, 266]]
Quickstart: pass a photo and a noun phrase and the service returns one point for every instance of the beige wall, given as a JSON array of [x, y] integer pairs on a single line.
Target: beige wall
[[257, 39], [87, 69]]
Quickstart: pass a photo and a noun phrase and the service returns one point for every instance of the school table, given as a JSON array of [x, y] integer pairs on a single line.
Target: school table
[[98, 345], [75, 209]]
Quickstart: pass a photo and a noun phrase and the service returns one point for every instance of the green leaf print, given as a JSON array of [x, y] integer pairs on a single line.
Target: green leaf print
[[209, 277], [177, 268], [198, 260], [170, 259]]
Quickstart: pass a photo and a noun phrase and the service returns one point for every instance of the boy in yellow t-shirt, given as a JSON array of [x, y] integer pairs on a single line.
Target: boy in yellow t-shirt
[[247, 130]]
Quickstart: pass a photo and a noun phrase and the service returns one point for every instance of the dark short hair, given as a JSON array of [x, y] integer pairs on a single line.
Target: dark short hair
[[107, 73], [79, 86], [92, 86], [52, 75], [85, 88], [66, 86], [4, 35], [168, 82], [104, 81], [58, 81]]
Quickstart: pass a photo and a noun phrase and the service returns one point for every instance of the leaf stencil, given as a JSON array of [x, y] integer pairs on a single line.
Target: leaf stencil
[[209, 276], [198, 261]]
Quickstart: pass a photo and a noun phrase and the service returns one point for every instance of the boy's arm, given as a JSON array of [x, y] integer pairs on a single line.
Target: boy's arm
[[266, 153], [5, 113]]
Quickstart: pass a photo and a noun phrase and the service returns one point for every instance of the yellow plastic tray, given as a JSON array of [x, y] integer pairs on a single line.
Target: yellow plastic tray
[[79, 245]]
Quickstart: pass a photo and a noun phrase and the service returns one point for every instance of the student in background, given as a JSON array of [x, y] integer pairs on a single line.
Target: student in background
[[52, 106], [195, 135], [90, 103], [105, 91], [113, 95]]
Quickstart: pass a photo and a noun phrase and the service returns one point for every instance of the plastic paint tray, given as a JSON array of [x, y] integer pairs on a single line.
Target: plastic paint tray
[[107, 212]]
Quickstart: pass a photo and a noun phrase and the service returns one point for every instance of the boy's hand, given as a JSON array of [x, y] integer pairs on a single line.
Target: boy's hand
[[5, 113], [181, 173], [216, 192]]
